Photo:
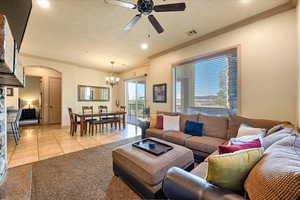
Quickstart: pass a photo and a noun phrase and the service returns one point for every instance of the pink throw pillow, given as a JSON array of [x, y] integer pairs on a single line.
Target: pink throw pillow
[[233, 148], [160, 122]]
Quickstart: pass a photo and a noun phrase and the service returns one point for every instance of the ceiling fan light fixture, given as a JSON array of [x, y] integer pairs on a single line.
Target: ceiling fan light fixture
[[145, 8]]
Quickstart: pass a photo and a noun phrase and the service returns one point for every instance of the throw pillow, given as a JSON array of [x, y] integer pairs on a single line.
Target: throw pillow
[[277, 175], [249, 130], [245, 139], [233, 148], [171, 123], [153, 120], [230, 170], [160, 122], [193, 128]]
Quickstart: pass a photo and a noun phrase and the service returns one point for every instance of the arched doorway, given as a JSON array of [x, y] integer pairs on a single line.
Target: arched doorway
[[49, 107]]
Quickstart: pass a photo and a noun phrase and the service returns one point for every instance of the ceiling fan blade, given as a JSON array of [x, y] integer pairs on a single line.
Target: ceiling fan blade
[[155, 24], [121, 3], [170, 7], [132, 22]]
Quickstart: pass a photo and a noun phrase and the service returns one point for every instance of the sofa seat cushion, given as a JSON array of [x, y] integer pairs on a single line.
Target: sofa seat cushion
[[204, 143], [154, 132], [148, 168], [201, 170], [214, 126], [176, 137]]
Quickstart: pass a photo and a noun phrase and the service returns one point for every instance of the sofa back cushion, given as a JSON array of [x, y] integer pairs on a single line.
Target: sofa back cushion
[[273, 138], [235, 122], [277, 174], [214, 126], [184, 118]]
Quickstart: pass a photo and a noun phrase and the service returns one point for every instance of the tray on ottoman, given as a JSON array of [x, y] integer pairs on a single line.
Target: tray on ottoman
[[152, 146]]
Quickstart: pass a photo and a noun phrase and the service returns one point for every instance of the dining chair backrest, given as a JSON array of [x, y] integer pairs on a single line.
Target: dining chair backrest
[[103, 109], [71, 115], [87, 110]]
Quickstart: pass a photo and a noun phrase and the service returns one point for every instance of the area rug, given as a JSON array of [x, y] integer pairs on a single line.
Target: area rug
[[83, 175]]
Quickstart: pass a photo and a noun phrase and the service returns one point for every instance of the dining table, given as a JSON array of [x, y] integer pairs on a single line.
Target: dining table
[[83, 116]]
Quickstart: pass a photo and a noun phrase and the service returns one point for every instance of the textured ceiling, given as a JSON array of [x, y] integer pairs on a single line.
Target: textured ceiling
[[89, 32]]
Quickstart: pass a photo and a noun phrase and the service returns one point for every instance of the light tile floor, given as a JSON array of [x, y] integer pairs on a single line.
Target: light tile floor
[[43, 142]]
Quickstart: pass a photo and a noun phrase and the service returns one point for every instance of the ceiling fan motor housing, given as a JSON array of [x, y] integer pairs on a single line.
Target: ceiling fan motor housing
[[145, 6]]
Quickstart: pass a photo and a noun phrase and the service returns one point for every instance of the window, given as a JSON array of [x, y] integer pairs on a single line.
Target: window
[[207, 85]]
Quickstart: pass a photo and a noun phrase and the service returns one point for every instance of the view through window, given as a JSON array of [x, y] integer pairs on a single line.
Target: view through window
[[207, 85]]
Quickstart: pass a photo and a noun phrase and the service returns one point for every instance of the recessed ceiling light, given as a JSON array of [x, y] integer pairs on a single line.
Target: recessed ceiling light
[[43, 3], [144, 46], [246, 1]]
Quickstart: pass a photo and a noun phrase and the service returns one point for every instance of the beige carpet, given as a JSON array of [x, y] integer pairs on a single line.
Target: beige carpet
[[83, 175]]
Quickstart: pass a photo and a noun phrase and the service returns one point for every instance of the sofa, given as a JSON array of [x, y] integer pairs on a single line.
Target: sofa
[[179, 184], [217, 131]]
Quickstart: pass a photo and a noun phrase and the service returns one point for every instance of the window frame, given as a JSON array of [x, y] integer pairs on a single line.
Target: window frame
[[235, 49]]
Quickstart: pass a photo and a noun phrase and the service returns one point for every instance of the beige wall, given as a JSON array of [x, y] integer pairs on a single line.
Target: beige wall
[[268, 67], [12, 101], [298, 34], [72, 76]]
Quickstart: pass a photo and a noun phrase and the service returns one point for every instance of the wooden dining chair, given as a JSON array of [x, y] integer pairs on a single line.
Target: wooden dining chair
[[88, 110], [109, 120], [73, 122]]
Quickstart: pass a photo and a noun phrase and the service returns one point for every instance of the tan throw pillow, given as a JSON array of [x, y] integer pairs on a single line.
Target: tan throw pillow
[[245, 130], [230, 170], [153, 120], [277, 175]]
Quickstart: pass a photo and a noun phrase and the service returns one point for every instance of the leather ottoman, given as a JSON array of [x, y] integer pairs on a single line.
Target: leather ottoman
[[144, 172]]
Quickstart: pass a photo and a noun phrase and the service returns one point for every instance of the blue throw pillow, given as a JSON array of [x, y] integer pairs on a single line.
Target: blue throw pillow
[[193, 128]]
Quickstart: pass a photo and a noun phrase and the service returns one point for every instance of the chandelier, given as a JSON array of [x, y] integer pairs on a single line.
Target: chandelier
[[112, 80]]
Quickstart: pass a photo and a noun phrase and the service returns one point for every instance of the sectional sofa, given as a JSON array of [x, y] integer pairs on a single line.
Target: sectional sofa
[[217, 131], [179, 184]]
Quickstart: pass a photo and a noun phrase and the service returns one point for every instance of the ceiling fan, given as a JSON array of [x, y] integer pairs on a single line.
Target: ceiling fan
[[146, 7]]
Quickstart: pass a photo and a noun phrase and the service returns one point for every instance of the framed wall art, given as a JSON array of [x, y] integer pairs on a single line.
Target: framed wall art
[[160, 93]]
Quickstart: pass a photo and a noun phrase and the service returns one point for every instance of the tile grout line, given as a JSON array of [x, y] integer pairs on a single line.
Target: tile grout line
[[58, 144]]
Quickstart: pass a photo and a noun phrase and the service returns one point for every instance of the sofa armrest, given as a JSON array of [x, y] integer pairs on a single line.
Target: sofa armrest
[[144, 125], [179, 184]]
